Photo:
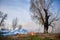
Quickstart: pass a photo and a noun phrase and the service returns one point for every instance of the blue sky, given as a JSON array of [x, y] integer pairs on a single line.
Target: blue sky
[[16, 8], [20, 9]]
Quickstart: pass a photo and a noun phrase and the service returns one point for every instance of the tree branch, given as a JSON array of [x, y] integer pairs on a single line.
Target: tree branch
[[54, 19], [38, 11], [3, 18]]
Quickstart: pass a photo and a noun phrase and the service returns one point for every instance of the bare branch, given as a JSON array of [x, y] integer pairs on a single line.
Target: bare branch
[[33, 5], [14, 23], [4, 17], [54, 19], [49, 4], [41, 12]]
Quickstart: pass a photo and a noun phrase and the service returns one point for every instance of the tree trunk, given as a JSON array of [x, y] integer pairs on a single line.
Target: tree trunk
[[45, 28], [46, 22]]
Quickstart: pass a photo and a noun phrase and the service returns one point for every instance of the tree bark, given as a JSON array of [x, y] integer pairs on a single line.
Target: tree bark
[[45, 28], [46, 21]]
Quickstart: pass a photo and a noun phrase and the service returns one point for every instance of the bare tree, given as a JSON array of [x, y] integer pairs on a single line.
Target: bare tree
[[14, 23], [41, 12], [20, 26], [2, 18]]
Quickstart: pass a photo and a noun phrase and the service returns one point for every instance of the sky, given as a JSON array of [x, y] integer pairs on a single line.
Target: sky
[[16, 8], [20, 9]]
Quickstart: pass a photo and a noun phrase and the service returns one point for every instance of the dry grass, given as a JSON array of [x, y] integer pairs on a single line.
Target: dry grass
[[37, 36]]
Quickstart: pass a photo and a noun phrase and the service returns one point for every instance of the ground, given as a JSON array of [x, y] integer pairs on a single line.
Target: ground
[[37, 36]]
